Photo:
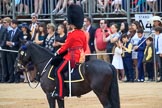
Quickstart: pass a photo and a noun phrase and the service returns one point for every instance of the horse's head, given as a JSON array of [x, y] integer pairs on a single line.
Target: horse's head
[[31, 52], [24, 57]]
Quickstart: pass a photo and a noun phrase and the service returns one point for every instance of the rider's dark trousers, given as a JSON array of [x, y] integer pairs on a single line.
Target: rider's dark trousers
[[59, 81]]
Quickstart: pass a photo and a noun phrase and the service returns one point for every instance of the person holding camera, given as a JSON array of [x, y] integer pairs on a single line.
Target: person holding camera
[[113, 37], [100, 44]]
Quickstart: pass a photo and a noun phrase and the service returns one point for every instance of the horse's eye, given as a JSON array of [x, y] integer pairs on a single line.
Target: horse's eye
[[22, 52]]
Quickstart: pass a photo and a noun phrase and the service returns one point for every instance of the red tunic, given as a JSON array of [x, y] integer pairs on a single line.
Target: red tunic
[[75, 44]]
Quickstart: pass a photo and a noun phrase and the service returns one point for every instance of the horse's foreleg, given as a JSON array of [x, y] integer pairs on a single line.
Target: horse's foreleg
[[60, 103], [51, 101]]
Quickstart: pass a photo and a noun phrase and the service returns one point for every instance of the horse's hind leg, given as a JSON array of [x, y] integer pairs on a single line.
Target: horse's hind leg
[[51, 101], [104, 99]]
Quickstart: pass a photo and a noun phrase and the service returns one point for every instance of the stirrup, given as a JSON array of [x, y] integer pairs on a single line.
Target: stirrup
[[56, 96], [52, 93]]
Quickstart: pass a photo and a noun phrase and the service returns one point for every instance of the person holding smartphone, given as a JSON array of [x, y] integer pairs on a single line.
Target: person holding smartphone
[[111, 39], [100, 44]]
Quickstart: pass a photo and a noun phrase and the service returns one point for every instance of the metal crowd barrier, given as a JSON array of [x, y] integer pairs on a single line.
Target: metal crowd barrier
[[97, 9]]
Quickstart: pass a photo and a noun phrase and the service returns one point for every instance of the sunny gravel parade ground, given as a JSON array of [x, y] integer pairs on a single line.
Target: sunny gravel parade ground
[[137, 95]]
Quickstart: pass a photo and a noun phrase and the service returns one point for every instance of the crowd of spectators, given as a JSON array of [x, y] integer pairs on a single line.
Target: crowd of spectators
[[26, 7], [128, 48]]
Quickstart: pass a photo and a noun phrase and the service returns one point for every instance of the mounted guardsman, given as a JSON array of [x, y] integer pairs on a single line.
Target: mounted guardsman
[[75, 44]]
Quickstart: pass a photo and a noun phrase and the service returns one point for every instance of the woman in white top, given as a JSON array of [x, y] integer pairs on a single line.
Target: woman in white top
[[117, 61]]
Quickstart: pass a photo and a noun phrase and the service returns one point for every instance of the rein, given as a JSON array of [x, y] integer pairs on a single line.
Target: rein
[[43, 71], [30, 83]]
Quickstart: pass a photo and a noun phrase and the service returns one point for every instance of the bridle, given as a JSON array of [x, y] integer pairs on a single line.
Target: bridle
[[24, 67]]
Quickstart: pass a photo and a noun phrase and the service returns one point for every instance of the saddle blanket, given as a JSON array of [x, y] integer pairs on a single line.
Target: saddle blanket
[[76, 75]]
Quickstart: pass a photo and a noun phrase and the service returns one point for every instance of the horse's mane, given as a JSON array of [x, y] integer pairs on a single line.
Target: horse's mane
[[37, 48]]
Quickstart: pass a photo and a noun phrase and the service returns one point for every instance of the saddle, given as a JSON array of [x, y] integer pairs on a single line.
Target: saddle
[[76, 74]]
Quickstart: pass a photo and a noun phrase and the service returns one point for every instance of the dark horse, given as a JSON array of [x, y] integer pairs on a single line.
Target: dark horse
[[99, 76]]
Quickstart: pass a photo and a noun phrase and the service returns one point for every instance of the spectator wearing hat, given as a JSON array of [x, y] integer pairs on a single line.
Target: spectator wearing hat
[[156, 21], [33, 25], [13, 43], [148, 58], [25, 37], [26, 32]]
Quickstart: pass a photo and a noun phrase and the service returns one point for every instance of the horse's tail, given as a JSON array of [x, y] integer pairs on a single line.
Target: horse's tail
[[114, 90]]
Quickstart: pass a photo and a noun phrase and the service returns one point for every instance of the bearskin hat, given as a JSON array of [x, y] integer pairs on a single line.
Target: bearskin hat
[[75, 15]]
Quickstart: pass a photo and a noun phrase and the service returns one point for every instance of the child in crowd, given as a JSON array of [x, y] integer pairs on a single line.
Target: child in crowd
[[127, 58], [148, 58], [117, 61], [140, 49]]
